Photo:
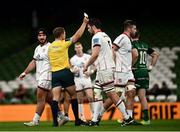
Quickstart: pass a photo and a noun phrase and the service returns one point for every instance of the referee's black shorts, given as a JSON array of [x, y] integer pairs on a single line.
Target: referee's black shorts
[[62, 78]]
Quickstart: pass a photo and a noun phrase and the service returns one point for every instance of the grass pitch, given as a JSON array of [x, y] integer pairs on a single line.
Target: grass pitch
[[156, 125]]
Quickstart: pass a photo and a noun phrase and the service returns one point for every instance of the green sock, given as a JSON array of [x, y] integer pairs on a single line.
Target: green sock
[[145, 115]]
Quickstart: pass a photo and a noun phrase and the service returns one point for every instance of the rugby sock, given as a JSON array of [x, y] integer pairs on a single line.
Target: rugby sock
[[74, 104], [145, 115], [92, 107], [120, 105], [55, 110], [130, 112], [102, 111], [81, 111], [36, 117], [97, 108]]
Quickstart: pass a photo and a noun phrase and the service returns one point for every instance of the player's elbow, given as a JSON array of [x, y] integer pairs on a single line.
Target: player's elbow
[[95, 56], [75, 38]]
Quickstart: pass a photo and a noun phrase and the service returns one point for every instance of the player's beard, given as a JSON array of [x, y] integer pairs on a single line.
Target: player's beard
[[42, 42], [132, 35]]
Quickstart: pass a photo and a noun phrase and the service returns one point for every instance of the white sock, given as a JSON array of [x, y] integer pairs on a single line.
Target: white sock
[[81, 110], [102, 111], [36, 117], [97, 108], [92, 108], [120, 105], [130, 112]]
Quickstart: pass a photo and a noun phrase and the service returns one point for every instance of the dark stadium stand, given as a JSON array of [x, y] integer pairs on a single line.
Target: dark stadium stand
[[17, 52]]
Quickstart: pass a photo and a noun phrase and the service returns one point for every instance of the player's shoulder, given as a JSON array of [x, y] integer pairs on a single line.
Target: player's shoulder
[[134, 44], [144, 43], [53, 43], [37, 47], [122, 36], [73, 57], [97, 35], [48, 44]]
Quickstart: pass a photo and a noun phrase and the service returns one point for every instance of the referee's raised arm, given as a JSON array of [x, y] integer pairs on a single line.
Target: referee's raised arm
[[80, 31]]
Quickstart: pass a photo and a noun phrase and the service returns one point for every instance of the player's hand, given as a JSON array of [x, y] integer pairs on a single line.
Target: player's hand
[[85, 20], [22, 75], [150, 68], [85, 68], [87, 73], [75, 69]]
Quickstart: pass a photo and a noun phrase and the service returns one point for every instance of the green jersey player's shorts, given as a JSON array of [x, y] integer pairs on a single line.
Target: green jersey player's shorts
[[141, 78]]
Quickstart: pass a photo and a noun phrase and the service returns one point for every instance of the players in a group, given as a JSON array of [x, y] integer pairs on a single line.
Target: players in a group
[[62, 77], [140, 52], [103, 56], [124, 78], [40, 61], [82, 80]]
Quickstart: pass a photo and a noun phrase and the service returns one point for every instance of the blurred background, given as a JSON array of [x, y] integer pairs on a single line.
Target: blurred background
[[159, 26]]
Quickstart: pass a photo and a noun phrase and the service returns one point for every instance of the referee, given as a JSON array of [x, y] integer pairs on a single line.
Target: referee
[[60, 67]]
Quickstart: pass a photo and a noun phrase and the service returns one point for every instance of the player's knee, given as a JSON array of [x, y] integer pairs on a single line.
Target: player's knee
[[73, 95], [90, 98], [130, 95], [142, 98], [98, 94], [41, 99], [40, 96], [130, 88]]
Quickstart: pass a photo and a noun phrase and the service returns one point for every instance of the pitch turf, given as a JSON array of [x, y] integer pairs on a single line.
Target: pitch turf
[[156, 125]]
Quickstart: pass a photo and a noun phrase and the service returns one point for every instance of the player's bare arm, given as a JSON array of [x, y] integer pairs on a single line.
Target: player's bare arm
[[154, 59], [80, 31], [29, 68], [94, 56], [134, 56], [114, 49]]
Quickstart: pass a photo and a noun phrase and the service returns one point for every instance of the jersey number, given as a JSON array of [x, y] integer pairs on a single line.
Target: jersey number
[[142, 57]]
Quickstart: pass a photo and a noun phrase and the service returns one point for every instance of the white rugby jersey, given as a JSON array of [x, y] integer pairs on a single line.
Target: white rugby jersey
[[79, 62], [105, 59], [42, 62], [124, 54]]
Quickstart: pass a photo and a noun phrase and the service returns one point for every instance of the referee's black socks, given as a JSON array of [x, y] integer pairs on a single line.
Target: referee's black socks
[[55, 110], [74, 104]]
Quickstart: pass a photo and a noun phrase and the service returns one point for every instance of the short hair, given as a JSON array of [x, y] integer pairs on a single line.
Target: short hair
[[42, 30], [58, 31], [95, 22], [128, 23], [78, 43]]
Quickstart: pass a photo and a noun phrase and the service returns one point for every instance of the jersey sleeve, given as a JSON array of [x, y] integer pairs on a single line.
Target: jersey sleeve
[[35, 52], [150, 50], [119, 41], [96, 41]]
